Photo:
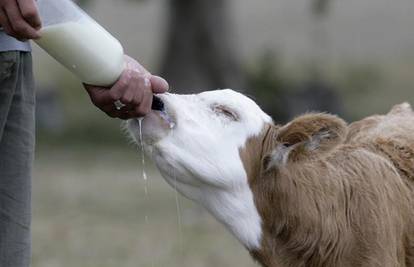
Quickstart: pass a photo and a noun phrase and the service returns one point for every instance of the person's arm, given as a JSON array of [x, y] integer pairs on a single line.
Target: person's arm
[[20, 18], [134, 89]]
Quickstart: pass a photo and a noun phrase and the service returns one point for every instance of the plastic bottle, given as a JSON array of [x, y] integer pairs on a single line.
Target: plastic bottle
[[79, 43]]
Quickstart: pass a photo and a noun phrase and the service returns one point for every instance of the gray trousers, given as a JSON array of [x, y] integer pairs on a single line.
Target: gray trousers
[[17, 138]]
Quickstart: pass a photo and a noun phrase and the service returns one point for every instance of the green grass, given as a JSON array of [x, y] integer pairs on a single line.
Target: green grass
[[90, 207]]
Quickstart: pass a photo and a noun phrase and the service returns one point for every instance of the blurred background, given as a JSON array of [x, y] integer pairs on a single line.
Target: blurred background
[[352, 58]]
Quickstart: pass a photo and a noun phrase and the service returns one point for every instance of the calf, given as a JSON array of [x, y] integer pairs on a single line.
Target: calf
[[313, 192]]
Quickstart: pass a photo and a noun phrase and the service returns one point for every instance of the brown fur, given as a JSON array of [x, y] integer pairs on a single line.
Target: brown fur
[[335, 195]]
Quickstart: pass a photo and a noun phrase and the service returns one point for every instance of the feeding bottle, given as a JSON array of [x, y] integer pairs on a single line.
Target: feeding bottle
[[79, 43]]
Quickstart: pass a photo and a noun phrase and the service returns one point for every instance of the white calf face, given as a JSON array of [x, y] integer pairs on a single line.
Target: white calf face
[[195, 143], [198, 137]]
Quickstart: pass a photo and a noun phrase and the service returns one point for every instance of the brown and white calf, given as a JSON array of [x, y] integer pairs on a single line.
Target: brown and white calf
[[313, 192]]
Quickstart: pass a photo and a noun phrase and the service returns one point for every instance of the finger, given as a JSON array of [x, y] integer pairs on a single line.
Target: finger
[[4, 22], [100, 96], [95, 93], [122, 114], [122, 85], [145, 107], [29, 12], [109, 109], [113, 112], [159, 85], [137, 84], [102, 99], [138, 96], [129, 96], [22, 29]]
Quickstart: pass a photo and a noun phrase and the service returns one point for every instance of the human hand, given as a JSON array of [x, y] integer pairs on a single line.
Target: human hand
[[20, 18], [134, 89]]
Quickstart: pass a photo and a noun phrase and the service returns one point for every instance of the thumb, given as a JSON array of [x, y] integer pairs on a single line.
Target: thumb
[[159, 85]]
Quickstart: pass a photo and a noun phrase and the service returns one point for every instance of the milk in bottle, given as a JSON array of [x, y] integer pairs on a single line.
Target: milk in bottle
[[79, 43]]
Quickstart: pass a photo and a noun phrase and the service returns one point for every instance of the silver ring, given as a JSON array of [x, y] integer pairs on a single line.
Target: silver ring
[[119, 105]]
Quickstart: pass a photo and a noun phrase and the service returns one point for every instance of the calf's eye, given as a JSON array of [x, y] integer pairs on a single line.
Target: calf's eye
[[222, 110]]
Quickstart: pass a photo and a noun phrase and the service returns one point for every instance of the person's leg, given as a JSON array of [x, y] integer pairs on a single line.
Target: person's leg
[[17, 131]]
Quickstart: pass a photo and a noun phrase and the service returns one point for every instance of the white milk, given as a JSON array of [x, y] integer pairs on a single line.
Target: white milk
[[86, 49]]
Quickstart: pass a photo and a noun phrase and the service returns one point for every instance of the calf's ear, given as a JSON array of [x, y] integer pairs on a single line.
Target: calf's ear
[[306, 137]]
